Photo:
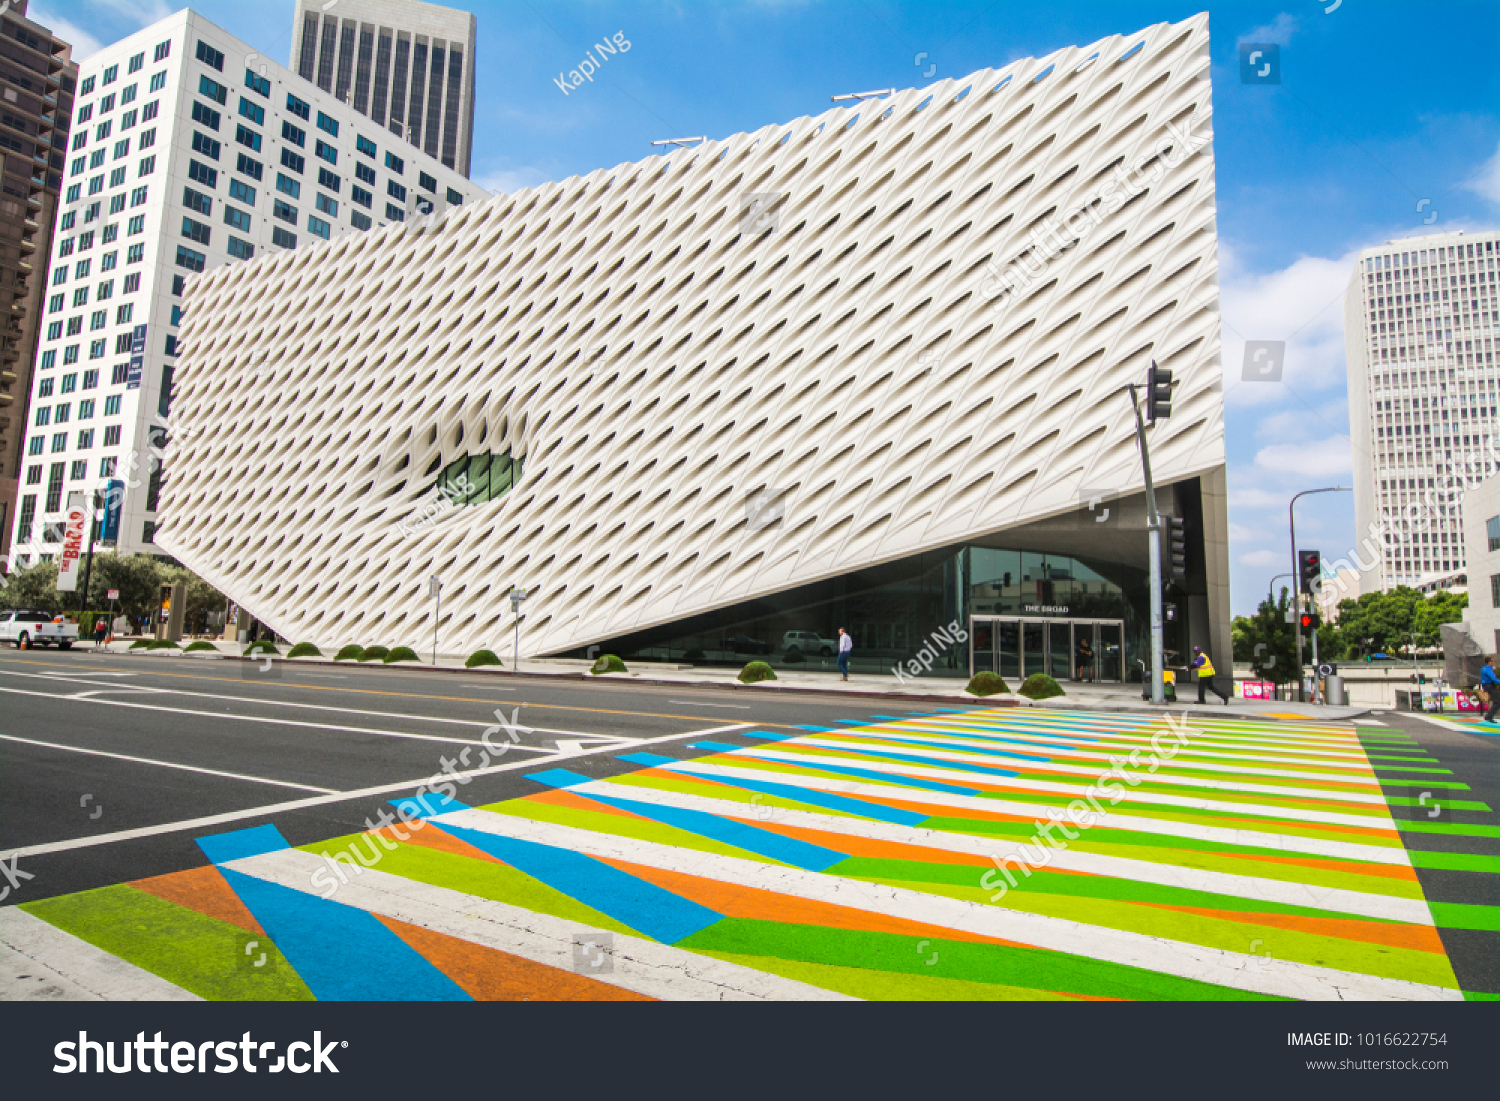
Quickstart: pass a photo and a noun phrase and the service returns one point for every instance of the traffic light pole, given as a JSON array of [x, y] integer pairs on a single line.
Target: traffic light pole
[[1153, 528], [1297, 579]]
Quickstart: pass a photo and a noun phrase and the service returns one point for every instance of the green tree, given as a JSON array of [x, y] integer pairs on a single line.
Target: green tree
[[34, 588], [1265, 640], [137, 576], [1437, 609], [202, 598], [1389, 622]]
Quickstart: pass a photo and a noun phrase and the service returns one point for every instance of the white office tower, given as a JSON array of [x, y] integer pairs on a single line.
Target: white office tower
[[1420, 321], [189, 151], [863, 370], [405, 65]]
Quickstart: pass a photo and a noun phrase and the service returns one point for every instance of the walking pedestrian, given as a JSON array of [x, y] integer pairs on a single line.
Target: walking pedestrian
[[101, 628], [1489, 687], [1085, 659], [846, 647], [1205, 670]]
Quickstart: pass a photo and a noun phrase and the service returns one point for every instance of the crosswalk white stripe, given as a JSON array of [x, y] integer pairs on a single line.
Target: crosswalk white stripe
[[40, 962]]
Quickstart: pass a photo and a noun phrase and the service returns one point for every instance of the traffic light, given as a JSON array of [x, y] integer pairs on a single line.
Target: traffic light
[[1310, 621], [1176, 548], [1309, 571], [1158, 393]]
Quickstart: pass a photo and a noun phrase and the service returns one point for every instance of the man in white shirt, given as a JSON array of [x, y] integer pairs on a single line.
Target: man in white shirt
[[846, 647]]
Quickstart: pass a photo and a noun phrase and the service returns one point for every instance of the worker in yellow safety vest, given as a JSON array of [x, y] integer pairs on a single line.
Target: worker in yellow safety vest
[[1205, 670]]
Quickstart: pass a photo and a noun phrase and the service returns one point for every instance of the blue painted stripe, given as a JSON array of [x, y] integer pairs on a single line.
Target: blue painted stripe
[[925, 762], [765, 735], [643, 906], [429, 804], [342, 953], [558, 778], [719, 747], [773, 846], [899, 781], [238, 844], [822, 799], [819, 729], [649, 759], [906, 739]]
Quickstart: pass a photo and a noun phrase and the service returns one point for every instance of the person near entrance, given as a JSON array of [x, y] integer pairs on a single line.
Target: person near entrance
[[1204, 668], [846, 647], [1489, 685], [1084, 659]]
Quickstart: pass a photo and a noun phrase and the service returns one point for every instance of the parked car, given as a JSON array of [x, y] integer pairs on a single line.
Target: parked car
[[37, 629], [744, 644], [809, 642]]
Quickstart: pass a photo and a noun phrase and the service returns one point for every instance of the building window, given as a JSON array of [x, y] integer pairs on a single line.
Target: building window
[[1495, 590], [70, 353], [426, 181], [294, 135], [206, 116], [122, 343], [138, 62], [196, 231], [360, 195], [395, 163], [75, 193], [148, 112], [117, 177], [134, 255], [138, 197], [118, 375], [327, 206], [288, 186], [394, 213], [329, 180], [364, 145], [43, 417], [81, 297], [75, 326], [330, 125], [291, 160], [285, 211], [146, 167], [282, 239], [117, 203], [197, 201], [366, 173], [79, 471], [237, 218], [187, 258], [454, 198], [249, 167], [96, 349], [171, 345], [34, 475], [111, 439], [240, 250], [1492, 531], [247, 137], [213, 90], [85, 88], [258, 84], [28, 517], [297, 107], [122, 149], [85, 439], [319, 227], [85, 410], [128, 119], [112, 405], [206, 145], [395, 191], [163, 49], [240, 190], [148, 532], [101, 317], [208, 177], [44, 388], [132, 284], [123, 313], [210, 56], [37, 445], [252, 111], [91, 380], [59, 445], [158, 82], [360, 221]]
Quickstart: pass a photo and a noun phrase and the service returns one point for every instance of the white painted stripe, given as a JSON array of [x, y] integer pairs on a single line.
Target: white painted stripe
[[40, 962], [1237, 970], [1014, 805], [1368, 722], [1078, 787], [1259, 888], [639, 965], [166, 764], [342, 796]]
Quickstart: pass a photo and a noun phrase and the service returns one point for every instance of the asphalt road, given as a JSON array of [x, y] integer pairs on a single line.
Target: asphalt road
[[113, 764]]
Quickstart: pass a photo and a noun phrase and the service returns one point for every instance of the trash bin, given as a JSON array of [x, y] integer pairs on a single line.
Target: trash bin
[[1334, 691]]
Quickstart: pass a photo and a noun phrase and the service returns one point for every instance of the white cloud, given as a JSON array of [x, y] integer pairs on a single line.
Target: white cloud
[[1279, 32], [84, 44], [1253, 497], [112, 19], [505, 181], [1311, 459], [1260, 559], [1486, 181]]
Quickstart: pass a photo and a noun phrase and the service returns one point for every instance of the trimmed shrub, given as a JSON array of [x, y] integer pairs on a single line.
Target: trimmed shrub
[[986, 684], [304, 650], [482, 657], [607, 663], [163, 644], [1039, 686], [262, 646], [373, 653], [141, 644], [400, 653], [349, 653], [201, 647], [793, 656], [756, 671]]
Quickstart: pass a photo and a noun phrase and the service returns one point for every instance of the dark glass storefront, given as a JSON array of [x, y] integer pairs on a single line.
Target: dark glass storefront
[[912, 611]]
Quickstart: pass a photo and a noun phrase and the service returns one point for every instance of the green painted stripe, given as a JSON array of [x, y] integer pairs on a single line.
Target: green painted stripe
[[201, 954], [1451, 785], [1455, 862], [1412, 826], [1466, 915], [1479, 996], [1409, 768], [889, 986], [1453, 804]]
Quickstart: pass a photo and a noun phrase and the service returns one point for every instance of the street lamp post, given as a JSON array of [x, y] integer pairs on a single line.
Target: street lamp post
[[1153, 528], [1271, 589], [1291, 510]]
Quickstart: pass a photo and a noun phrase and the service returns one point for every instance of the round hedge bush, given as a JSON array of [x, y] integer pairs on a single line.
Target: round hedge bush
[[262, 646], [304, 650], [607, 663], [373, 653], [756, 671], [141, 644], [1039, 686], [986, 684], [163, 644], [201, 647], [482, 657], [400, 653], [349, 653]]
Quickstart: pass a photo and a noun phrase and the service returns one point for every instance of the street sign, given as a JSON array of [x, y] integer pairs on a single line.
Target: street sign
[[516, 596], [72, 548], [114, 594], [1328, 669], [434, 587], [137, 366], [114, 495]]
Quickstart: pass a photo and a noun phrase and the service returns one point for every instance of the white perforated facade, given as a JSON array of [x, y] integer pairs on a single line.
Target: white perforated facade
[[722, 373]]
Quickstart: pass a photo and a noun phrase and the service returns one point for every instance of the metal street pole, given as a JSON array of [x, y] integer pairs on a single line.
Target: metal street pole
[[1271, 592], [435, 590], [1153, 528], [1296, 576]]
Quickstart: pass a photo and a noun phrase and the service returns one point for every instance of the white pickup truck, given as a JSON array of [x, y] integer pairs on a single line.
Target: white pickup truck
[[30, 629]]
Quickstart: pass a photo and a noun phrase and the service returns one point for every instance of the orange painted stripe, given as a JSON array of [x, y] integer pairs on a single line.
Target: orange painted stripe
[[203, 890], [1384, 871], [755, 904], [432, 836], [1419, 938], [489, 975], [561, 797]]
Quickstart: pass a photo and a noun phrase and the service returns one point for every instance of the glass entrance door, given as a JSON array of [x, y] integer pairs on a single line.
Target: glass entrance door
[[1008, 649], [1033, 647], [1087, 651], [1060, 648], [982, 646]]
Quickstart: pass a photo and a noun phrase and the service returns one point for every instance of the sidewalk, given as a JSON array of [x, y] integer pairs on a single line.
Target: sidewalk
[[937, 690]]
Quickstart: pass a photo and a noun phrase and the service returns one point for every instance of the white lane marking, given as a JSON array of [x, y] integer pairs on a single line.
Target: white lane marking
[[699, 703], [166, 764], [270, 721], [656, 970], [79, 674], [1368, 722], [316, 707], [40, 962], [340, 797], [1238, 970]]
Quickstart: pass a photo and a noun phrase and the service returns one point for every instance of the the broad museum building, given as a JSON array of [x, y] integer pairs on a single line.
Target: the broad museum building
[[864, 370]]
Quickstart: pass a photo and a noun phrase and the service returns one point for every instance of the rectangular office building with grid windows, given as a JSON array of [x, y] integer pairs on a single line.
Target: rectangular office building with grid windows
[[189, 151]]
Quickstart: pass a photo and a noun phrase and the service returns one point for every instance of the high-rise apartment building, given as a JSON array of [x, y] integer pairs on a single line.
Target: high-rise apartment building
[[37, 81], [1420, 321], [189, 151], [405, 65]]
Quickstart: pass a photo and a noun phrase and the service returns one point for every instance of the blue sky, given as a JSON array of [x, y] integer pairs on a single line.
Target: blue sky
[[1381, 105]]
